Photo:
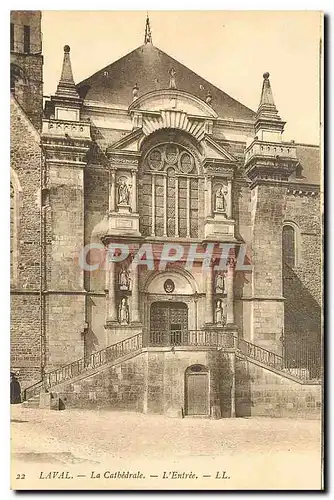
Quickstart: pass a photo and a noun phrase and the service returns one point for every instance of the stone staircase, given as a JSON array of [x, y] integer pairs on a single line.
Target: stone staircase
[[85, 366], [121, 352], [32, 402]]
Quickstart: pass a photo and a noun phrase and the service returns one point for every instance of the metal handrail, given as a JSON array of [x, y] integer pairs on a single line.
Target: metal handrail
[[86, 363], [302, 371], [189, 338], [163, 338]]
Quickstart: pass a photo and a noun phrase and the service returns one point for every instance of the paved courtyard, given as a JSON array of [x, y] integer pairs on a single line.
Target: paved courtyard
[[276, 452]]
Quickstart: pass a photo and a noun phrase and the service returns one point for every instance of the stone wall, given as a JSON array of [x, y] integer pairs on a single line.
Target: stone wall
[[25, 160], [152, 382], [261, 392], [96, 192], [67, 226], [25, 344], [267, 212], [25, 157], [302, 285], [65, 317], [120, 387], [29, 92]]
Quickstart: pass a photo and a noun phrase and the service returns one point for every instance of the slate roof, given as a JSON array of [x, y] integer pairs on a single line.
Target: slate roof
[[310, 162], [149, 67]]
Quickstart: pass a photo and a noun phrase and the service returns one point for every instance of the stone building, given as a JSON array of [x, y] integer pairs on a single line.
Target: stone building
[[224, 321]]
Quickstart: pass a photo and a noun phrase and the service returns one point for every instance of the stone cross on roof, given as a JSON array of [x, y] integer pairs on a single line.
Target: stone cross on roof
[[148, 34]]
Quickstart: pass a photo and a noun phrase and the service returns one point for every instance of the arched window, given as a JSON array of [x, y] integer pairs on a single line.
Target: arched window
[[169, 192], [290, 244]]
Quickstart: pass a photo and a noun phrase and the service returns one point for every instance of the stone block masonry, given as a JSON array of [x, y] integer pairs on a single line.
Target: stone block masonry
[[260, 392], [65, 316], [25, 272], [25, 356], [154, 381]]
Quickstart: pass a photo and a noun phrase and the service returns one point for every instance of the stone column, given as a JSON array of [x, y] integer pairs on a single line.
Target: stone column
[[165, 205], [188, 207], [112, 306], [112, 191], [176, 206], [209, 294], [208, 207], [229, 290], [135, 294], [134, 191], [229, 199], [153, 206]]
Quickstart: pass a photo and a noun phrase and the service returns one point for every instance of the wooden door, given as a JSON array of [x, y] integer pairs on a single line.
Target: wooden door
[[168, 323], [197, 392]]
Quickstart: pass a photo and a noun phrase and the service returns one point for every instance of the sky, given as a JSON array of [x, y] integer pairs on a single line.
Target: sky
[[231, 49]]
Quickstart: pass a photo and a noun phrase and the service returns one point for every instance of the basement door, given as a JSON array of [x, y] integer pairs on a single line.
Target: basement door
[[197, 391]]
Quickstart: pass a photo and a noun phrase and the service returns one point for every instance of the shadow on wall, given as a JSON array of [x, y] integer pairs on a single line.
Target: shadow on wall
[[243, 393], [226, 380], [91, 340], [302, 324], [221, 379]]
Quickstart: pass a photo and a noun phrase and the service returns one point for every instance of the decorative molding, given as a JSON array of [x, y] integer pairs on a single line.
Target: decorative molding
[[172, 119], [180, 98], [76, 130], [219, 170], [265, 149], [297, 191]]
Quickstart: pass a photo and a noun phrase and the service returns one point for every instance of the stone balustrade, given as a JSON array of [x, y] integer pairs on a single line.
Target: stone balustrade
[[261, 148], [61, 127]]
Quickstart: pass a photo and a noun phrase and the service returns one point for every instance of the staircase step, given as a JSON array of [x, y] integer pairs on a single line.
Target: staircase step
[[30, 404]]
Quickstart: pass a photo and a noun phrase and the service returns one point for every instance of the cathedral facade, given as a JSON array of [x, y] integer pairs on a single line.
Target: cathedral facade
[[165, 240]]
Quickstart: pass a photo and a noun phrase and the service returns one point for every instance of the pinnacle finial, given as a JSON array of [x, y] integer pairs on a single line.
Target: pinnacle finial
[[267, 117], [148, 34], [66, 85], [267, 97]]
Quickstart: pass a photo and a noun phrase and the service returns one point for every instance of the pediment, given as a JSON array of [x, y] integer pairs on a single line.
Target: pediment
[[173, 99], [216, 151], [130, 142], [211, 150]]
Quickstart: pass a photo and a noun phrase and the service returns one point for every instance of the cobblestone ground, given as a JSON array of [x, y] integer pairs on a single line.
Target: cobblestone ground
[[101, 438]]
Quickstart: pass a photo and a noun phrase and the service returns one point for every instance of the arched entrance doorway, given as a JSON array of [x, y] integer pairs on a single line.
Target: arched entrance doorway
[[197, 391], [168, 323]]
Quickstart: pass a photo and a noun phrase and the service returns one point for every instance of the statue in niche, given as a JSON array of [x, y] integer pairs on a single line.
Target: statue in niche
[[123, 192], [219, 313], [172, 75], [123, 313], [221, 199], [124, 280], [221, 283]]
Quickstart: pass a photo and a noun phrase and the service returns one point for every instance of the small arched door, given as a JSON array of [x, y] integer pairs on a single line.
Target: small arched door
[[197, 390]]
